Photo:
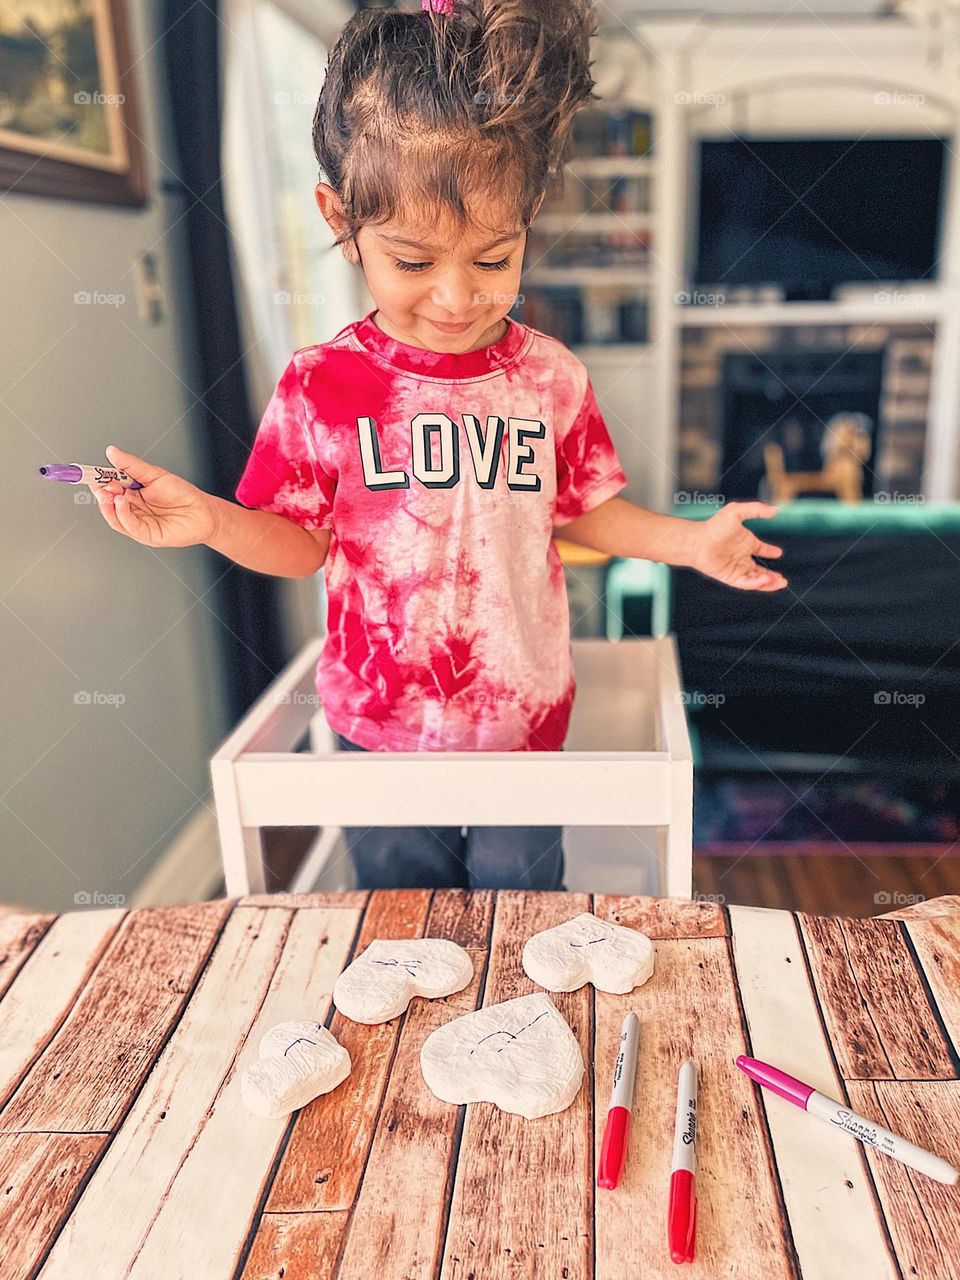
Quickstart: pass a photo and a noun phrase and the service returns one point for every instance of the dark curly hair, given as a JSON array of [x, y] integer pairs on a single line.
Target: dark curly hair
[[423, 111]]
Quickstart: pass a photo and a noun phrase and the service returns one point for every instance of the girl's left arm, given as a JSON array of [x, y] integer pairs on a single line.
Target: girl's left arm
[[719, 547]]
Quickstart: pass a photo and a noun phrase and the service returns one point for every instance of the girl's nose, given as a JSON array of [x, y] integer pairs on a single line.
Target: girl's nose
[[454, 296]]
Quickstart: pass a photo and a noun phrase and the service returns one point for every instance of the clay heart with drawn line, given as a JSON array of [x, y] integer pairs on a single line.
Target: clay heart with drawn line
[[588, 949], [520, 1055], [297, 1061], [381, 982]]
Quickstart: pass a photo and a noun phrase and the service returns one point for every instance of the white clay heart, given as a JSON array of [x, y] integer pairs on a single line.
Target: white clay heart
[[520, 1055], [381, 982], [297, 1062], [588, 949]]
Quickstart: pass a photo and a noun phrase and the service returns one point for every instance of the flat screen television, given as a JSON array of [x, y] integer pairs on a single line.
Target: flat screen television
[[809, 214]]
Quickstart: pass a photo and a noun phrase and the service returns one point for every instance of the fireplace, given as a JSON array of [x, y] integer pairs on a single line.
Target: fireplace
[[744, 385], [787, 398]]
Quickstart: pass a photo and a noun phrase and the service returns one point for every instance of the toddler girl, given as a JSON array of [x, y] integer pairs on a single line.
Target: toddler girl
[[426, 454]]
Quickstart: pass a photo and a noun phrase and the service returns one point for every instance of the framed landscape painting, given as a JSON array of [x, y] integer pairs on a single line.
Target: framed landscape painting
[[68, 111]]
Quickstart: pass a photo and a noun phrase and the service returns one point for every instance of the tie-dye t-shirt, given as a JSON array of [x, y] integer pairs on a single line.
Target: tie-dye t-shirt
[[441, 477]]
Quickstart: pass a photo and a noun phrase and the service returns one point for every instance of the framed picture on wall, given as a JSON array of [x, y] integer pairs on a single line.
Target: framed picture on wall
[[68, 110]]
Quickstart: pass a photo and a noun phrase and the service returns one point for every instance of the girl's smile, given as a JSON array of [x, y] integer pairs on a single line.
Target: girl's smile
[[452, 328]]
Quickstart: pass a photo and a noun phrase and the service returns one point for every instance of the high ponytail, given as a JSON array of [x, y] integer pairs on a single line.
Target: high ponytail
[[430, 108]]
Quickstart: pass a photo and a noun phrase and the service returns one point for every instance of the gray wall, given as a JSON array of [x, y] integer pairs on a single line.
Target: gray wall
[[92, 793]]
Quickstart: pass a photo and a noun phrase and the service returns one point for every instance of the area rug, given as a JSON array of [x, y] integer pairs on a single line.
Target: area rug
[[829, 811]]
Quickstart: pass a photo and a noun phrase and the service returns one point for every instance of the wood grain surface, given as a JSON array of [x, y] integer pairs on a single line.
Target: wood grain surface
[[125, 1150]]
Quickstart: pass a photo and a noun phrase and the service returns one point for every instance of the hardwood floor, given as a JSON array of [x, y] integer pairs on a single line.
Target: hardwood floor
[[867, 880]]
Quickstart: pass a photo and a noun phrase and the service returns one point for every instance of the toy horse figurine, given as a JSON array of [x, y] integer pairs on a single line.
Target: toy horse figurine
[[844, 449]]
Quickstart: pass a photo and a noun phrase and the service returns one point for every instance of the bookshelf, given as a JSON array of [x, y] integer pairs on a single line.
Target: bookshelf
[[588, 269]]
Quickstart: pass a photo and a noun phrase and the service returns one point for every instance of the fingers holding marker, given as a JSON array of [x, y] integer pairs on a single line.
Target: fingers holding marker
[[107, 504], [138, 469]]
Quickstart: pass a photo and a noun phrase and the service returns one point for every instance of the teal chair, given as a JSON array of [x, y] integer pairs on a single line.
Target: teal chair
[[630, 579]]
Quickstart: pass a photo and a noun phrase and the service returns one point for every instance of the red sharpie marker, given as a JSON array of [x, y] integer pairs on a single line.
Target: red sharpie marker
[[613, 1152], [682, 1213]]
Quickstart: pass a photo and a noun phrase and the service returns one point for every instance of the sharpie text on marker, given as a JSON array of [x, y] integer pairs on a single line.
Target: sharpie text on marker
[[82, 473], [841, 1117]]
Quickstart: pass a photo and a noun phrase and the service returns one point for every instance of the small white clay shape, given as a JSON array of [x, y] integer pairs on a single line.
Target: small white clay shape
[[381, 982], [520, 1055], [297, 1062], [588, 949]]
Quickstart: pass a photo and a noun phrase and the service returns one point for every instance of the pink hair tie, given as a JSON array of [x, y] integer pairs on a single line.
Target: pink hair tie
[[439, 6]]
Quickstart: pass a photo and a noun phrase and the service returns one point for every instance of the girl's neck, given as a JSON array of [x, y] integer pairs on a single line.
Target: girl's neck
[[487, 339]]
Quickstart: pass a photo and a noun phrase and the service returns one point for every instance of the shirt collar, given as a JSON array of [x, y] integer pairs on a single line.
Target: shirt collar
[[440, 364]]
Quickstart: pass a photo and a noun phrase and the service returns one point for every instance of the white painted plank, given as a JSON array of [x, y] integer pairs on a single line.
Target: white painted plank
[[205, 1215], [44, 990], [830, 1203], [547, 787], [140, 1191]]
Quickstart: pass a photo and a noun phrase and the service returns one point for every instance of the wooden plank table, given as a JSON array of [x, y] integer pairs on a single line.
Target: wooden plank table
[[125, 1149]]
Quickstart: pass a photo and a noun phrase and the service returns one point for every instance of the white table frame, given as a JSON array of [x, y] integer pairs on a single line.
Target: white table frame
[[628, 696]]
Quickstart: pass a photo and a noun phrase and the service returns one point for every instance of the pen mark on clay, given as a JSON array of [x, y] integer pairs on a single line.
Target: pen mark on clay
[[513, 1035], [589, 943], [411, 966], [293, 1044]]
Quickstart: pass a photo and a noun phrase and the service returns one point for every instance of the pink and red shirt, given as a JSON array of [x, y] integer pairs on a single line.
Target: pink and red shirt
[[441, 478]]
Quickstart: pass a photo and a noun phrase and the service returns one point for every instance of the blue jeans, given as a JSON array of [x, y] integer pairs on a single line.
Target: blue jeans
[[445, 858]]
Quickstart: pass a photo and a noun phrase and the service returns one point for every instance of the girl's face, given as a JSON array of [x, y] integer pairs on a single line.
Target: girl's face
[[432, 290]]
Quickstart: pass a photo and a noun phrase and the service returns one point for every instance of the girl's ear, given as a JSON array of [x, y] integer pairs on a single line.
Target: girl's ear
[[328, 202], [536, 207]]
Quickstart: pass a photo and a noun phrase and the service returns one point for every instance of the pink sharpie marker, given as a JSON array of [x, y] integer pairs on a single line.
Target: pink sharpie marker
[[841, 1117], [80, 473]]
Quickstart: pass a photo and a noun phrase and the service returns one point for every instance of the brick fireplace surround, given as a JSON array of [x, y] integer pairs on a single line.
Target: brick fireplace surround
[[904, 392]]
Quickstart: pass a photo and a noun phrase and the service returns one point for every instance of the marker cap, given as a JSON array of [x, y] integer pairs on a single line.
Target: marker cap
[[788, 1087], [613, 1152]]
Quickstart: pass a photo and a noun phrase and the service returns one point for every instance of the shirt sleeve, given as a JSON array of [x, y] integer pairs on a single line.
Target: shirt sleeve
[[588, 469], [283, 472]]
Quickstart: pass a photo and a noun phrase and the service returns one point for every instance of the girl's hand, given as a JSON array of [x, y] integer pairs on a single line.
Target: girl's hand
[[167, 512], [724, 548]]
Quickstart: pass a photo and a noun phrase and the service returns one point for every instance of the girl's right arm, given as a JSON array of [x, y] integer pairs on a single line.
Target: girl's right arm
[[267, 542], [171, 512]]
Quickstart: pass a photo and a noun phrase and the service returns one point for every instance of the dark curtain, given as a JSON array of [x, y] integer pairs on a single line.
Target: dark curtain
[[245, 603]]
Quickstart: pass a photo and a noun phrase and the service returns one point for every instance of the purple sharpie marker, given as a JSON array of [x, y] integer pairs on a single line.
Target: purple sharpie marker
[[80, 473]]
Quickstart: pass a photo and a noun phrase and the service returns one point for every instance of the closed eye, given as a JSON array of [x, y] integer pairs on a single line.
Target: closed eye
[[419, 266]]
